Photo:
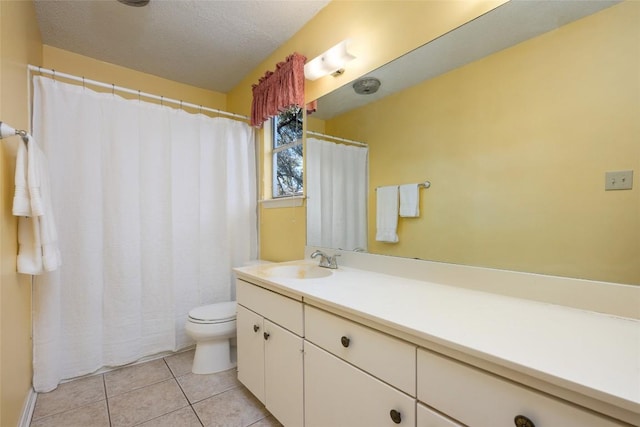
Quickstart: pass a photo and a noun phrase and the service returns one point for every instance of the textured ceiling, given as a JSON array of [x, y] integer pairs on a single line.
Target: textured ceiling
[[204, 43]]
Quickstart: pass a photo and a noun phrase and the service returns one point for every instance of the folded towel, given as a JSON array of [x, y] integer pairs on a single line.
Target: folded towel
[[37, 237], [21, 202], [34, 156], [387, 214], [29, 246], [409, 201]]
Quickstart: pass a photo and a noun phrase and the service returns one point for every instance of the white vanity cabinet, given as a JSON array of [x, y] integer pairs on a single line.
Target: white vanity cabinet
[[387, 358], [369, 363], [339, 394], [427, 417], [270, 350], [479, 399], [356, 376]]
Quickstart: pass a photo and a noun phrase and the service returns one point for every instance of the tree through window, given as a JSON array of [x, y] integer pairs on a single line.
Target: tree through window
[[287, 153]]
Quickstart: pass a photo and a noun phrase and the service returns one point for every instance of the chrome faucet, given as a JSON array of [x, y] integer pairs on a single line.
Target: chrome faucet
[[326, 260]]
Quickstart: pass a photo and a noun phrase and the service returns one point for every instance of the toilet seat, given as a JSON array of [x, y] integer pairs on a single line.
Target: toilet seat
[[220, 312]]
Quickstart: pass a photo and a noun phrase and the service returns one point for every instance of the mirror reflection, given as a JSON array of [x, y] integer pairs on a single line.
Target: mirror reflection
[[337, 186], [514, 118]]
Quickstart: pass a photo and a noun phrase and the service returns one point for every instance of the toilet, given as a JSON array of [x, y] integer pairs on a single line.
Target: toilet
[[212, 327]]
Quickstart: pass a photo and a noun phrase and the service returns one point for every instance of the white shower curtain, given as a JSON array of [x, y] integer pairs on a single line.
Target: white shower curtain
[[154, 207], [337, 184]]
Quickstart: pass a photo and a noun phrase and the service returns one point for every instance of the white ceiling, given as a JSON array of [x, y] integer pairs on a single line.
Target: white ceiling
[[210, 44]]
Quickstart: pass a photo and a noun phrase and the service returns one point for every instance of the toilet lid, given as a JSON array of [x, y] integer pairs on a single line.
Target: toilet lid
[[214, 313]]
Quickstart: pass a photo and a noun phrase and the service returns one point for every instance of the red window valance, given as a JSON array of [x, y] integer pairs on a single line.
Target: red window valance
[[278, 89]]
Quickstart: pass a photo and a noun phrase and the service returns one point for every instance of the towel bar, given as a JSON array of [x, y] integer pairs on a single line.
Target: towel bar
[[425, 184], [7, 131]]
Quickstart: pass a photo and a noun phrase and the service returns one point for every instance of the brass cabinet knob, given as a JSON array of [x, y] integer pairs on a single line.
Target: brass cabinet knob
[[256, 328], [266, 335], [396, 417], [345, 341], [522, 421]]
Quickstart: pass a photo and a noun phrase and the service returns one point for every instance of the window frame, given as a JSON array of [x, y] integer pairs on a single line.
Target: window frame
[[275, 149]]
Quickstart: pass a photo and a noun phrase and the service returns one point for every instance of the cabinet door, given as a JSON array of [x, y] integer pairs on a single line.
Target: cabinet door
[[480, 399], [429, 418], [283, 359], [251, 351], [340, 395]]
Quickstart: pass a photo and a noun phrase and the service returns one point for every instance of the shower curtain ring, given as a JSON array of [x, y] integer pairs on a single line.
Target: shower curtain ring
[[113, 89]]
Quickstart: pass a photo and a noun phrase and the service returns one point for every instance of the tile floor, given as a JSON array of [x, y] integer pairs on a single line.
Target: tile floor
[[158, 393]]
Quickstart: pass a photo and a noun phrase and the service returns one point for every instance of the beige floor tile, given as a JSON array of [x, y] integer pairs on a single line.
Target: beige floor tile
[[180, 363], [199, 387], [233, 408], [270, 421], [94, 415], [184, 417], [69, 396], [133, 377], [146, 403]]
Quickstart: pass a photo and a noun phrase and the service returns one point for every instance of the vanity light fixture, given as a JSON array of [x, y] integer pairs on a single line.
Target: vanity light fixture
[[330, 62]]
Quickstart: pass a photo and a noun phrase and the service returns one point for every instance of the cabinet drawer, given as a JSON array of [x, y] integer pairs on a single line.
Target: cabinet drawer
[[277, 308], [390, 359], [337, 394], [480, 399], [426, 417]]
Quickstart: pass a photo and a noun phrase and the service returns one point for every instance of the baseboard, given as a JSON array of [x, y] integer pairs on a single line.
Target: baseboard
[[27, 408]]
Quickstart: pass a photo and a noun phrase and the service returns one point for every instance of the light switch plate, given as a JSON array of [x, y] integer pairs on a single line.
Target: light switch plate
[[618, 180]]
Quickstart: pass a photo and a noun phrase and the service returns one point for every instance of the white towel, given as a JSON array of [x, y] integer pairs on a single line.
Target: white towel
[[37, 237], [21, 202], [34, 156], [387, 214], [409, 201], [29, 246]]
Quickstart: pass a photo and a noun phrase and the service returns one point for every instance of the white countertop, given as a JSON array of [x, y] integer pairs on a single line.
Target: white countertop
[[590, 353]]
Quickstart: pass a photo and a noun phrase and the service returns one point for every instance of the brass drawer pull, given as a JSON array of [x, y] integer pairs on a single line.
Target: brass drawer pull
[[345, 341], [396, 417], [522, 421]]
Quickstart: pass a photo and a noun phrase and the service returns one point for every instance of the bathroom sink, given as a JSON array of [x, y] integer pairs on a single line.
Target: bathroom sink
[[302, 271]]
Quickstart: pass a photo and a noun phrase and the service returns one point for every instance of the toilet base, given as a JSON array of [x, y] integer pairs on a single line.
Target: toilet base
[[212, 356]]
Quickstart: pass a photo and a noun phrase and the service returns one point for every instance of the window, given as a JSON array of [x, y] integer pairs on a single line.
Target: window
[[286, 148]]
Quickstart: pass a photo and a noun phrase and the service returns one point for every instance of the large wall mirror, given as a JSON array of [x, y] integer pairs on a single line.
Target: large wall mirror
[[515, 118]]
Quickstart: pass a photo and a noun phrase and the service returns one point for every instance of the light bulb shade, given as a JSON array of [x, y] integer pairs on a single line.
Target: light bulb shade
[[329, 62]]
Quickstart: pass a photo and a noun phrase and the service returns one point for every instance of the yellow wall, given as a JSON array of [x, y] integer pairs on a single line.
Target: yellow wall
[[378, 32], [83, 66], [20, 44], [516, 146]]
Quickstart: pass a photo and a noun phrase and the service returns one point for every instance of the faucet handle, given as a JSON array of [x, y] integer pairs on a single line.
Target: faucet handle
[[333, 262], [318, 253]]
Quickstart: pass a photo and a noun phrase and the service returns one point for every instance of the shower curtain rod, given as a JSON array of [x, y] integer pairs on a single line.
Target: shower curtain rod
[[162, 99], [349, 141]]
